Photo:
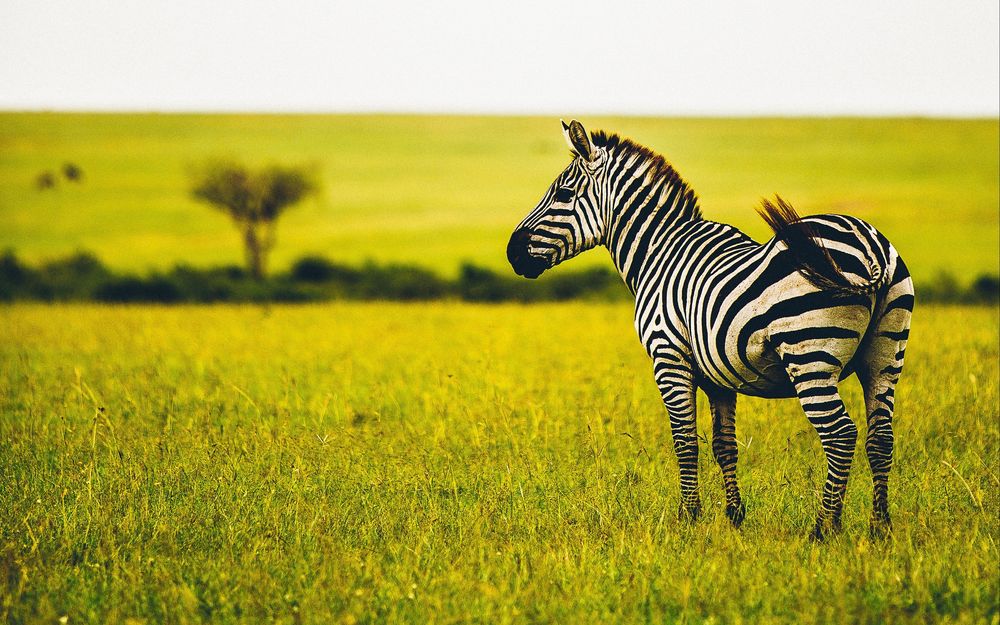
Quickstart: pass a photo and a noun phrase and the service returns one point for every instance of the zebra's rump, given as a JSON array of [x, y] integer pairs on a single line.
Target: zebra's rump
[[860, 252], [765, 310], [807, 242]]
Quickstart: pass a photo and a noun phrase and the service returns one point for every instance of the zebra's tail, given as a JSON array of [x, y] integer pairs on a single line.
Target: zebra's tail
[[811, 256]]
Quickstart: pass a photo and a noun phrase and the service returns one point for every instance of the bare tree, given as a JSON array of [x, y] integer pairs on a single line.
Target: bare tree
[[254, 199]]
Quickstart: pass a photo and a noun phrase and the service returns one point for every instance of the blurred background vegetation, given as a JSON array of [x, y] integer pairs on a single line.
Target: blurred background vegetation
[[82, 277], [420, 207]]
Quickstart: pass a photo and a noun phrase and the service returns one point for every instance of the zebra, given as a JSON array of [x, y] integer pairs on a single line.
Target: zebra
[[826, 297]]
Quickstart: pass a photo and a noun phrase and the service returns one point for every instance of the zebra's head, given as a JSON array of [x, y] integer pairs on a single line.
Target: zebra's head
[[567, 220]]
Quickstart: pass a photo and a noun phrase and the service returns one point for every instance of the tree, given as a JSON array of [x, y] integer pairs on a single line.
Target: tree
[[72, 172], [254, 199], [45, 180]]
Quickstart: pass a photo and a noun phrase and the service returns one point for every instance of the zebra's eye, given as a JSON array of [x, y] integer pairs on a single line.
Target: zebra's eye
[[564, 194]]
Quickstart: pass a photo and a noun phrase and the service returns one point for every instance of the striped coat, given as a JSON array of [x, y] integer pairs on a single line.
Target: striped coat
[[827, 297]]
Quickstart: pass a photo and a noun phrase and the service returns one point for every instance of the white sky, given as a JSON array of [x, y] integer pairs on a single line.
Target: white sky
[[926, 57]]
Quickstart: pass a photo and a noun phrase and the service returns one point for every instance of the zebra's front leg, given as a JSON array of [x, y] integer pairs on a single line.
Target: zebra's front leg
[[677, 389], [723, 402]]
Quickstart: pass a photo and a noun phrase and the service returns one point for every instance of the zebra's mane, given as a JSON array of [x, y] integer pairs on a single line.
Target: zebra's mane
[[659, 168]]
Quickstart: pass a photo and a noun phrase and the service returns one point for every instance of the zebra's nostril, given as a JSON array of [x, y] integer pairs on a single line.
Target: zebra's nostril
[[523, 263], [518, 245]]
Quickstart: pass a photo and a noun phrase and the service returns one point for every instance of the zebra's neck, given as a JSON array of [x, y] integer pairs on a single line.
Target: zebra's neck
[[650, 202]]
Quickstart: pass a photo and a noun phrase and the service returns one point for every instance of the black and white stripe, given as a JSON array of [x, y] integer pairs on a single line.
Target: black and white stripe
[[828, 296]]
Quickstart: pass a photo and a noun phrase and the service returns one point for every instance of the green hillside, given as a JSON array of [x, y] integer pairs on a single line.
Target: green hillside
[[439, 190]]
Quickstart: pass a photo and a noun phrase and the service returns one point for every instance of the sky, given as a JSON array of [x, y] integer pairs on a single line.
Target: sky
[[785, 57]]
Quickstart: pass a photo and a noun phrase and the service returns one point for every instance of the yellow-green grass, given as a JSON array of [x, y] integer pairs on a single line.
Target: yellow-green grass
[[382, 463], [441, 190]]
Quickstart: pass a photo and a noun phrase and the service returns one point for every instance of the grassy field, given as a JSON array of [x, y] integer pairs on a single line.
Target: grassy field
[[439, 190], [376, 463]]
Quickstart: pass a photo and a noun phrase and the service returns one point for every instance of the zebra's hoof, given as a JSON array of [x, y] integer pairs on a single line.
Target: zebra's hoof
[[736, 514], [690, 513], [824, 529], [880, 528], [817, 535]]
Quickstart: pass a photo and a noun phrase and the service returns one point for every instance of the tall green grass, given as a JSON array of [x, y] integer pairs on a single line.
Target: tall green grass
[[438, 191], [385, 463]]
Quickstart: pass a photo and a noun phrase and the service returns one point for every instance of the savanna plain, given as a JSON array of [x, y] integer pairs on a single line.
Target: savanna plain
[[448, 462]]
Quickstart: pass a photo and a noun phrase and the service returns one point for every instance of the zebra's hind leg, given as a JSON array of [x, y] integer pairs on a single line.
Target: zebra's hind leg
[[879, 403], [814, 376], [882, 364], [723, 402]]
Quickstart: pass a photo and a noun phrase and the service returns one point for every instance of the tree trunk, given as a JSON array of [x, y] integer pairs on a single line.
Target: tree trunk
[[254, 251]]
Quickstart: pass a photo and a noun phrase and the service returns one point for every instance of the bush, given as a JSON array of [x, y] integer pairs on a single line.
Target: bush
[[72, 172], [218, 284], [986, 289], [946, 289], [476, 284], [399, 282], [45, 180], [76, 277], [16, 279], [319, 269], [314, 278], [596, 283], [155, 288]]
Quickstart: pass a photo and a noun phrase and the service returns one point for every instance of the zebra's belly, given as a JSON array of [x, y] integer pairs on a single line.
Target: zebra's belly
[[773, 384], [754, 370], [745, 358]]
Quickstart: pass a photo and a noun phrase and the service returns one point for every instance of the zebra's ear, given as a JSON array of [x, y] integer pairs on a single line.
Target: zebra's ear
[[578, 140]]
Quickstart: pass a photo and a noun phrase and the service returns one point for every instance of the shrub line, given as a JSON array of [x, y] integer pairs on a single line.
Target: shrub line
[[83, 277]]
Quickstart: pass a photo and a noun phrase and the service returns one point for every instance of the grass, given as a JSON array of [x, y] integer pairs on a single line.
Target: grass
[[442, 463], [441, 190], [363, 463]]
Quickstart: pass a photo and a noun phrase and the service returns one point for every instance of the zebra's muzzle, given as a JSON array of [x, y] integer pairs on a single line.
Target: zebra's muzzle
[[521, 260]]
